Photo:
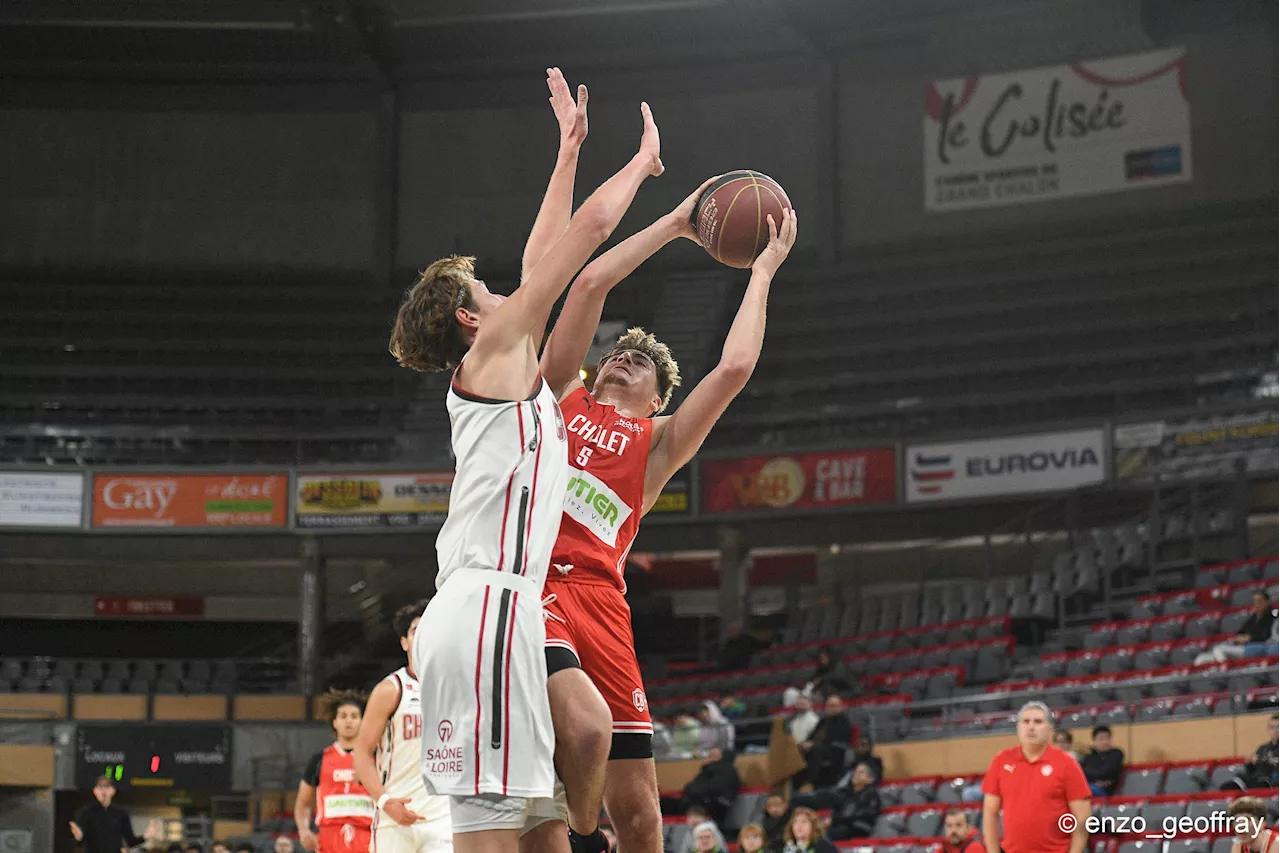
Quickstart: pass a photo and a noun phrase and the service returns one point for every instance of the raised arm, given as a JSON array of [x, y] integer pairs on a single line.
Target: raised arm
[[678, 437], [557, 204], [575, 328], [523, 316]]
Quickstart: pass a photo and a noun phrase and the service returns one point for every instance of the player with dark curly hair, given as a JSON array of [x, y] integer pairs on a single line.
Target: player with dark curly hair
[[329, 787]]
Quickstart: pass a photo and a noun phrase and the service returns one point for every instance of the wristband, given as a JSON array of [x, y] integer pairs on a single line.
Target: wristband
[[382, 801]]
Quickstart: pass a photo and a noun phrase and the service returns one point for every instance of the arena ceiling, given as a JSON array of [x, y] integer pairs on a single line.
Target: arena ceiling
[[388, 40]]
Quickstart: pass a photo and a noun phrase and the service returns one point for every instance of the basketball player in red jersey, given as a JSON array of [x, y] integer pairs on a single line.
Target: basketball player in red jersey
[[621, 454], [329, 787]]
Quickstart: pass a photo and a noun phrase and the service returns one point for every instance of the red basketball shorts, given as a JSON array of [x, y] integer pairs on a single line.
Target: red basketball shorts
[[593, 621]]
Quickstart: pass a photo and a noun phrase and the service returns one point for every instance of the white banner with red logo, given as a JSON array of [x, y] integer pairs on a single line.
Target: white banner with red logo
[[1055, 132]]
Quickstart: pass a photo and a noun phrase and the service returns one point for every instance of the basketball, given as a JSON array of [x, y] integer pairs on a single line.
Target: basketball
[[730, 216]]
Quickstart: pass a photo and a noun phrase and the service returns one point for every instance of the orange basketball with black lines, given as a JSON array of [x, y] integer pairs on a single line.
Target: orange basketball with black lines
[[730, 216]]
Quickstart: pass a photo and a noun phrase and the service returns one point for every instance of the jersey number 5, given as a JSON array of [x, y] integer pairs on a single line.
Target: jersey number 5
[[583, 456]]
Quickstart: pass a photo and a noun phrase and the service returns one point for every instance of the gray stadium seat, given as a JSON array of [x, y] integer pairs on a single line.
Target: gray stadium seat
[[1131, 635], [1167, 630], [1244, 573], [1144, 610], [1156, 815], [1205, 625], [991, 665], [1044, 606], [1210, 576], [1186, 780], [1185, 655], [1151, 658], [1189, 845], [918, 793], [889, 825], [950, 791], [1233, 622], [1118, 661], [1241, 597], [1271, 571], [1154, 711], [138, 685], [1142, 847], [11, 669], [1199, 707], [1045, 669], [1185, 603], [1204, 808], [64, 669], [925, 824], [145, 669], [91, 669], [1100, 638], [1142, 783], [110, 685], [1097, 693], [746, 809], [167, 687], [1224, 845], [84, 685], [1118, 715], [1082, 665]]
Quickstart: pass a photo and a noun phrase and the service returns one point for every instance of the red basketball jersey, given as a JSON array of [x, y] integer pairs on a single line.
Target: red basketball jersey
[[608, 454], [340, 798]]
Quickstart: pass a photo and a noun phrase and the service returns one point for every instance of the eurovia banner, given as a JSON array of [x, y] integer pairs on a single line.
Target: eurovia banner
[[179, 501], [356, 500]]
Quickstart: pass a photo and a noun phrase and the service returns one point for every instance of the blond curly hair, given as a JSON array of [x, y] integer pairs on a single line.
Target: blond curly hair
[[665, 367]]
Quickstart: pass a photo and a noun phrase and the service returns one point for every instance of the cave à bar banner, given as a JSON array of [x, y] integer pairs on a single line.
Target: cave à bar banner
[[838, 478], [1199, 446], [1048, 133], [347, 501], [181, 501], [1017, 464]]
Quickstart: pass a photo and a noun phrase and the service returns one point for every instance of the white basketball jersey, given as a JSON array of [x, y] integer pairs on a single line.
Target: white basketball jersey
[[507, 496], [400, 751]]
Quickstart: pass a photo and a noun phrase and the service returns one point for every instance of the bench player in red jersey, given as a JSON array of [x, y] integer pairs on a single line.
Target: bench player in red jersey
[[329, 787], [621, 454]]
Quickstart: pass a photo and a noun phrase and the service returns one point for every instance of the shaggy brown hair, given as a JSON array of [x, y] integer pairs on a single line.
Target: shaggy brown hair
[[426, 335], [1249, 807], [334, 699], [664, 366]]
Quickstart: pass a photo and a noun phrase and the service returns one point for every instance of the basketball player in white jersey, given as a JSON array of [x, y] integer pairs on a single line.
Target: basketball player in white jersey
[[487, 737], [388, 756]]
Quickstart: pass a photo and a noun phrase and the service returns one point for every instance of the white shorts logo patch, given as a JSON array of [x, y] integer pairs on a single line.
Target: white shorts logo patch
[[637, 699]]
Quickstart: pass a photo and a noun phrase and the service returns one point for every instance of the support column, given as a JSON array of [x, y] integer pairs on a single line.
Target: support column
[[734, 563], [311, 617]]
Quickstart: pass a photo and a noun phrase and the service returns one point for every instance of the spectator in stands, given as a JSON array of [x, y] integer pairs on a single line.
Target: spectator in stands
[[857, 806], [715, 732], [862, 754], [219, 847], [713, 789], [1104, 764], [245, 847], [1261, 770], [284, 844], [176, 847], [830, 675], [829, 746], [958, 836], [777, 816], [805, 836], [194, 848], [751, 839], [1063, 740], [104, 827], [1033, 783], [706, 838], [737, 649], [1249, 817], [1254, 636], [803, 722], [695, 817], [732, 707]]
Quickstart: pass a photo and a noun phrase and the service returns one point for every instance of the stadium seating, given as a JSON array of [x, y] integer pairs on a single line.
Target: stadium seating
[[1020, 326], [197, 369], [41, 675]]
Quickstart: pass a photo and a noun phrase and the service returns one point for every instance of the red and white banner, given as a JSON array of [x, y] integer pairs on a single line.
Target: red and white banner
[[130, 606], [800, 481], [1049, 133]]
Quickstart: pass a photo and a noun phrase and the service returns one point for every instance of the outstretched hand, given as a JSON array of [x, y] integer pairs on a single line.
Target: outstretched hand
[[683, 213], [780, 243], [650, 142], [571, 114], [397, 808]]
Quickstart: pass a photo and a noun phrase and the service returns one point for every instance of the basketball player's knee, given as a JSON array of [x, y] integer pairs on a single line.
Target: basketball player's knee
[[593, 733], [639, 826]]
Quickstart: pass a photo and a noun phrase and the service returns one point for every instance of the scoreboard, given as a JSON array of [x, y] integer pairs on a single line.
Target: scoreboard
[[197, 757]]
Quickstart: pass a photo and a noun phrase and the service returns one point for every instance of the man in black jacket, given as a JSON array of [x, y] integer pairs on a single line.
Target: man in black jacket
[[857, 808], [104, 827], [777, 814], [1104, 764], [1263, 770], [829, 745], [714, 787]]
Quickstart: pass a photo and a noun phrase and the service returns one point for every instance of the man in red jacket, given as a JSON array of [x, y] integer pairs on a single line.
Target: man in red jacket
[[958, 835]]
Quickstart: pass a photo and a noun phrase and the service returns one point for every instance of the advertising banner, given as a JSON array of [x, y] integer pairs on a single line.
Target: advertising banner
[[128, 606], [1194, 447], [1056, 132], [33, 499], [675, 498], [372, 500], [1005, 466], [800, 481], [190, 500]]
